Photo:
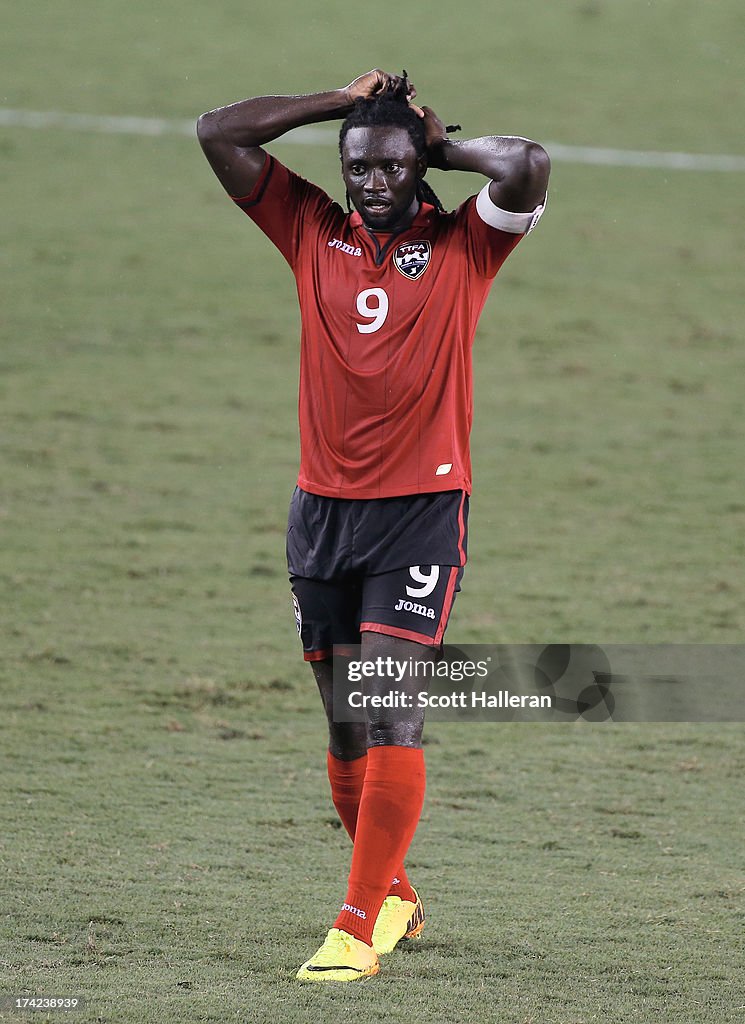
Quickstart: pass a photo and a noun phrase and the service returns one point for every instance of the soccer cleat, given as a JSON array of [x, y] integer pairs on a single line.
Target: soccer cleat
[[342, 957], [398, 919]]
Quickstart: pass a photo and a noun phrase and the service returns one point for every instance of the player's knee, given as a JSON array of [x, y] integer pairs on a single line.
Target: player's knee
[[395, 733], [347, 740]]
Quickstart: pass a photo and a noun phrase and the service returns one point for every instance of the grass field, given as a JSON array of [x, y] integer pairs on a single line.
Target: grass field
[[168, 849]]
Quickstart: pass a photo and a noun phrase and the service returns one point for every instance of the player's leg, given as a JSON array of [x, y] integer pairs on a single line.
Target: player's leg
[[392, 795], [346, 758], [327, 615], [389, 811], [344, 955], [347, 740], [346, 764], [408, 632]]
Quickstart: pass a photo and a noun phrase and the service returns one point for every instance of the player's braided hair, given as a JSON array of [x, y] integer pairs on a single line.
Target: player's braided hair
[[391, 108]]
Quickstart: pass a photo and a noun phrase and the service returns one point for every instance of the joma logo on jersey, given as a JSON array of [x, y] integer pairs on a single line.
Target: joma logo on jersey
[[350, 250], [412, 258], [417, 609]]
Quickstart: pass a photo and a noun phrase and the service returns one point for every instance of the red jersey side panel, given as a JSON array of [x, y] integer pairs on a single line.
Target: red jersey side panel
[[388, 322]]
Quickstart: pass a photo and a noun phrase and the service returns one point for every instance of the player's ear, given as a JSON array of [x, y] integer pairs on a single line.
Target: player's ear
[[421, 166]]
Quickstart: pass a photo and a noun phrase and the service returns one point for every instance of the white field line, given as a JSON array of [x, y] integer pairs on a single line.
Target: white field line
[[156, 126]]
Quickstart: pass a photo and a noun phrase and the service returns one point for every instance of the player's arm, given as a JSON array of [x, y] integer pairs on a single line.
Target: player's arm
[[232, 137], [518, 168]]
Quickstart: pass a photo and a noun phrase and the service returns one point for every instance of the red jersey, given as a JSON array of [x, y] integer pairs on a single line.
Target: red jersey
[[388, 321]]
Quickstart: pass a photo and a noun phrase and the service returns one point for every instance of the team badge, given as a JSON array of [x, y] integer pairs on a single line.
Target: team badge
[[412, 258]]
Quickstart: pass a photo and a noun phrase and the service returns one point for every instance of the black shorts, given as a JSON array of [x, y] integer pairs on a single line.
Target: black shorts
[[383, 565]]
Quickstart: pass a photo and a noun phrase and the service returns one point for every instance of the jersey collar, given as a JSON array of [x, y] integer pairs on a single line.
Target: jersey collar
[[373, 239]]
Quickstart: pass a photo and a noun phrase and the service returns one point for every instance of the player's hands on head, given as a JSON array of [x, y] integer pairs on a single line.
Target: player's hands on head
[[375, 82]]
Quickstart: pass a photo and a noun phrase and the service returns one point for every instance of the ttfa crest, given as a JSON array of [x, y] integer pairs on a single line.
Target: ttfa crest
[[412, 258]]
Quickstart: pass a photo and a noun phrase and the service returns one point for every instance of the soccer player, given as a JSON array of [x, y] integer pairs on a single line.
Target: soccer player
[[390, 294]]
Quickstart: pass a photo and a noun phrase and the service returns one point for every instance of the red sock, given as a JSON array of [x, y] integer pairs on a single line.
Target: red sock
[[401, 886], [347, 779], [388, 815]]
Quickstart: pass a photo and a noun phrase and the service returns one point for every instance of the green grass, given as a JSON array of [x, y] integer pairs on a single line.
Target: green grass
[[167, 845]]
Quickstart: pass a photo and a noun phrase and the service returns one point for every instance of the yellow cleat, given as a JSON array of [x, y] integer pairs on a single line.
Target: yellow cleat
[[342, 957], [398, 919]]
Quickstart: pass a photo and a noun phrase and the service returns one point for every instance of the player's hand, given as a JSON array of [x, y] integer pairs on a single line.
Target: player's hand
[[435, 135], [375, 82]]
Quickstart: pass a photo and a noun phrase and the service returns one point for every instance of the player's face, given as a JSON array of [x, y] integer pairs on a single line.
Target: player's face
[[380, 169]]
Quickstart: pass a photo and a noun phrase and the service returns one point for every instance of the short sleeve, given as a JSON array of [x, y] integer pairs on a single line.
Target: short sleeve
[[493, 233], [285, 206]]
